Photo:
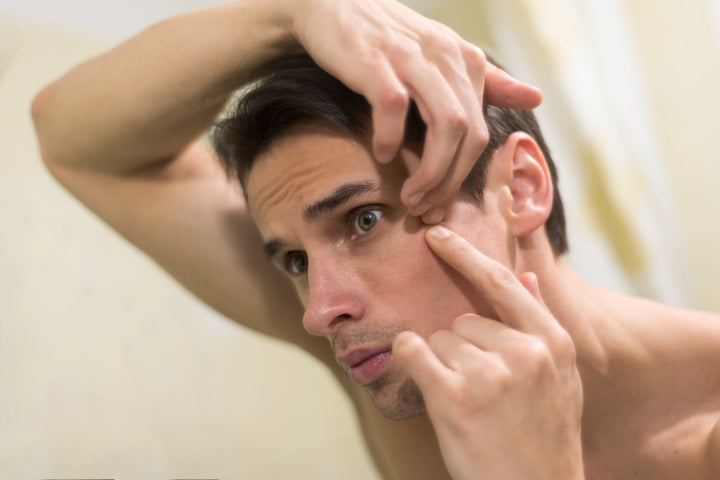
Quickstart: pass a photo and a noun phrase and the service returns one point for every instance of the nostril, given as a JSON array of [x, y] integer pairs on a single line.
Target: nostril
[[339, 319]]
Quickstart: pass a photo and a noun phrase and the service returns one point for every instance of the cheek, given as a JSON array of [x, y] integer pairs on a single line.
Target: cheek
[[424, 291]]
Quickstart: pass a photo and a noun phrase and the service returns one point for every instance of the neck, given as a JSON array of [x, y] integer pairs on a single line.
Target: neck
[[581, 308]]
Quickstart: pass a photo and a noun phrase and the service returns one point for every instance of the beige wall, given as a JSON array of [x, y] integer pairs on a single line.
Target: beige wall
[[107, 368]]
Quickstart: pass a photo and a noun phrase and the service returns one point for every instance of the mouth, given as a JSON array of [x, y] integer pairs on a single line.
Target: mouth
[[364, 365]]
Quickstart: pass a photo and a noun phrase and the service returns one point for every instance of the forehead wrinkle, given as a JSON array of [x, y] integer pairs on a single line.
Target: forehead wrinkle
[[281, 187]]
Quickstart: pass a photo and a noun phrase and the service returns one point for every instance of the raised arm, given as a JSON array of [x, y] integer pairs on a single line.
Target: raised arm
[[144, 101], [120, 132]]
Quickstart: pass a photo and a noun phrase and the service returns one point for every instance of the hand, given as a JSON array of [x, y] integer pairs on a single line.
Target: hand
[[391, 54], [505, 397]]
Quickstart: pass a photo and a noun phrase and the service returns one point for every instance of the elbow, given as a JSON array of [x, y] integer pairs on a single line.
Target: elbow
[[40, 110]]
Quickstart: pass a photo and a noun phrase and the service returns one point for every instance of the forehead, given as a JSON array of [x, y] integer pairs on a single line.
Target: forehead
[[307, 165]]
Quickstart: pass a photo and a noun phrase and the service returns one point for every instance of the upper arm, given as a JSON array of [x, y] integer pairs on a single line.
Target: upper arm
[[192, 221]]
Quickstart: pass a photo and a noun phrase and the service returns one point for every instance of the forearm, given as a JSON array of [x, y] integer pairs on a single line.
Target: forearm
[[145, 100]]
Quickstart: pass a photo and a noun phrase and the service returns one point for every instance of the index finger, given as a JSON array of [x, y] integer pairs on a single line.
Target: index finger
[[511, 300]]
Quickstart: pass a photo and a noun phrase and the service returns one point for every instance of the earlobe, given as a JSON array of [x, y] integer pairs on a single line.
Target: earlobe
[[530, 185]]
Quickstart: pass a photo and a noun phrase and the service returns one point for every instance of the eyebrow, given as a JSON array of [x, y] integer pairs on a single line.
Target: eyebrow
[[341, 195], [338, 197], [272, 248]]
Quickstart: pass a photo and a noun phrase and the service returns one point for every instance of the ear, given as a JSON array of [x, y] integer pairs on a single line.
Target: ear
[[527, 184]]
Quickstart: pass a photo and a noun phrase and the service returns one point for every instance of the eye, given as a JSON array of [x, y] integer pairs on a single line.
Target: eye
[[365, 220], [296, 263]]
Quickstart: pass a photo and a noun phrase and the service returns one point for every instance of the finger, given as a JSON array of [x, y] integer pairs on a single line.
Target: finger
[[446, 123], [417, 359], [469, 151], [508, 297], [486, 334], [390, 101], [530, 282], [433, 216], [448, 102], [504, 90], [454, 351], [468, 86]]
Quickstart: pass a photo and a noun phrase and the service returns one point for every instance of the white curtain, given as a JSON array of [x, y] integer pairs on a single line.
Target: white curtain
[[596, 117]]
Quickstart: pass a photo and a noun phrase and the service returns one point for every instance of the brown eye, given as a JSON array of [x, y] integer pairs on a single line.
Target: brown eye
[[366, 220]]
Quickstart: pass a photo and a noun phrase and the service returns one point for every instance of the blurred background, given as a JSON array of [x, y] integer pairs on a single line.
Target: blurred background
[[108, 369]]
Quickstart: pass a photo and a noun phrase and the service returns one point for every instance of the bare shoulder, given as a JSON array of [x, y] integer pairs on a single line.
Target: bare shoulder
[[192, 220], [672, 327], [698, 336], [666, 397], [701, 328], [713, 451]]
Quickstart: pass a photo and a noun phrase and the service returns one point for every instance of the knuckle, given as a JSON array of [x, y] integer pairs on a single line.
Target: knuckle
[[536, 358], [393, 98], [563, 346], [410, 51], [456, 121], [500, 381], [500, 278], [474, 55], [447, 44], [437, 36], [477, 137]]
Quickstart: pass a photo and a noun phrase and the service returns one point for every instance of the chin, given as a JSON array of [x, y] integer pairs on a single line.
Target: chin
[[397, 399]]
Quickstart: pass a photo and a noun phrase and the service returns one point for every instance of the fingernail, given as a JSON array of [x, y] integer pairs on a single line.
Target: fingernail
[[384, 157], [415, 198], [438, 232], [434, 215]]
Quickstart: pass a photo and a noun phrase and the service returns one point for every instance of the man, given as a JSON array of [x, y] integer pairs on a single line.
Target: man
[[509, 405], [332, 220]]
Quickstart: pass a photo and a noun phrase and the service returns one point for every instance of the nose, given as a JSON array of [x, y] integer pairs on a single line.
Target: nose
[[333, 298]]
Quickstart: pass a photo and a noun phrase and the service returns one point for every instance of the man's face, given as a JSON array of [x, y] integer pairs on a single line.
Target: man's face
[[332, 220]]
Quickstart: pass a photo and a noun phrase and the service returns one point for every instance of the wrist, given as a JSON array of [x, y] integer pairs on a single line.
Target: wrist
[[278, 19]]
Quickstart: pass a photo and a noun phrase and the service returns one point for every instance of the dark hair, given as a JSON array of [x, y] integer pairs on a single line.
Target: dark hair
[[293, 91]]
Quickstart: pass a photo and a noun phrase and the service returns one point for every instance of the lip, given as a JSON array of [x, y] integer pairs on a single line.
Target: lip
[[366, 364]]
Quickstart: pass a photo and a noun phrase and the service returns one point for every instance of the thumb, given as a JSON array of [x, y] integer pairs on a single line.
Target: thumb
[[504, 90]]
